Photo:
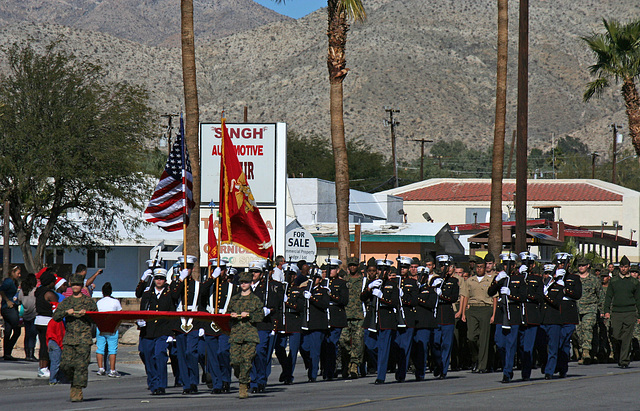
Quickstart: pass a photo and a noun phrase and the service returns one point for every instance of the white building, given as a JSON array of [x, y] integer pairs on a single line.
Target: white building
[[592, 204]]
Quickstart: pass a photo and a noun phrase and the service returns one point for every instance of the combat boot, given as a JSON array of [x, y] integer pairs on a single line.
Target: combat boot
[[243, 392], [353, 371], [586, 357], [76, 394]]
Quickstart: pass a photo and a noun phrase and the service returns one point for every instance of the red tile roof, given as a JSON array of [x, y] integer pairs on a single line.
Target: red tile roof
[[536, 191]]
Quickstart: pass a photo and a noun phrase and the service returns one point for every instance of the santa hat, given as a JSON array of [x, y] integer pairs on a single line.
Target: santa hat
[[59, 282]]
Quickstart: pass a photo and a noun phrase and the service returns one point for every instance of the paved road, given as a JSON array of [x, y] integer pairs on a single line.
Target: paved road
[[586, 387]]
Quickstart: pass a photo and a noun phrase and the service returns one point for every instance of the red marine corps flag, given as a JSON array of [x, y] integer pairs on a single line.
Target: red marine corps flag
[[172, 199], [242, 223]]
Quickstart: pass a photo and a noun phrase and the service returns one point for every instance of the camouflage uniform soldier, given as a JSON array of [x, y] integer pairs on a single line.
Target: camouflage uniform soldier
[[352, 337], [246, 310], [588, 305], [77, 340]]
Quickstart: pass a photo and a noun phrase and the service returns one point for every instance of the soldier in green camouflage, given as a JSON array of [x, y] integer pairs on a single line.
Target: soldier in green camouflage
[[588, 306], [352, 337], [77, 339], [246, 310]]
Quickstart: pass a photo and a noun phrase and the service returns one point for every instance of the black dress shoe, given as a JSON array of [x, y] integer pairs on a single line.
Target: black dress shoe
[[624, 366], [563, 374], [161, 391], [526, 379], [312, 380], [155, 392], [254, 390], [485, 371], [547, 376], [442, 376], [400, 381], [288, 382], [379, 382], [216, 391], [225, 387], [10, 358], [186, 391], [419, 378], [506, 379], [261, 388], [194, 389]]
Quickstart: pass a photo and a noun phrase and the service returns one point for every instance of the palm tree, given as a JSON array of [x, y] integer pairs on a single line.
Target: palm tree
[[495, 221], [617, 52], [340, 12], [192, 235]]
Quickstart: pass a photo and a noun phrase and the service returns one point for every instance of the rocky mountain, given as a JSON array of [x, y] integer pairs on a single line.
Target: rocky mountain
[[149, 22], [434, 61]]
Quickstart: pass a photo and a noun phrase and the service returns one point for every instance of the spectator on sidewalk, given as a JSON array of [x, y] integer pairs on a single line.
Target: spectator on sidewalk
[[108, 340], [10, 314], [55, 335], [45, 295], [28, 297], [89, 286]]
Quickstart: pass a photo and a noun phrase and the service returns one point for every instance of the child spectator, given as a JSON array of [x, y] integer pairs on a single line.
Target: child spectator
[[110, 340]]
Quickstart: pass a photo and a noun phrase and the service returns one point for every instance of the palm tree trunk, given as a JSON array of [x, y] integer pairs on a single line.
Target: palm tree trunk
[[336, 63], [495, 222], [632, 103], [191, 123]]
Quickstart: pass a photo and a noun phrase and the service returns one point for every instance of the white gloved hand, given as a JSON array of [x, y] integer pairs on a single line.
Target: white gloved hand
[[505, 291], [560, 283], [266, 311], [170, 339], [141, 323], [375, 284], [401, 293], [560, 272], [546, 291], [184, 273], [522, 269], [146, 275], [501, 275], [377, 292], [438, 292], [286, 298], [307, 295], [437, 282], [201, 332], [216, 272]]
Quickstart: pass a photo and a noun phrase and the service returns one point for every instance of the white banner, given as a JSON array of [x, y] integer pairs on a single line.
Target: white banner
[[256, 147]]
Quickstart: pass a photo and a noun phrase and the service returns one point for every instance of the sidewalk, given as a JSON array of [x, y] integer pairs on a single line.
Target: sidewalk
[[24, 374]]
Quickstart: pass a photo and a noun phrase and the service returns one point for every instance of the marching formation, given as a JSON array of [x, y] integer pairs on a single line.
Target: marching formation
[[380, 317]]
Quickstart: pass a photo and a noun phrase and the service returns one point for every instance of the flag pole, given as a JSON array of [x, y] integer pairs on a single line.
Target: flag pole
[[220, 205], [184, 214]]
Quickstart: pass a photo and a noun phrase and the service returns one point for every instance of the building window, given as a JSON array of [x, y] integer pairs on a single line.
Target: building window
[[96, 258], [54, 256]]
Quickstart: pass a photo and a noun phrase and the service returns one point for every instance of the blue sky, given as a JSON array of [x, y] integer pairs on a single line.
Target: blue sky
[[294, 8]]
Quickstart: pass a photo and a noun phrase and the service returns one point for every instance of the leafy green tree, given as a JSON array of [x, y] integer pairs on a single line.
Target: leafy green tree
[[70, 144], [312, 157]]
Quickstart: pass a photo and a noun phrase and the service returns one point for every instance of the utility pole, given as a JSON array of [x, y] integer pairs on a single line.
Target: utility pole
[[522, 127], [393, 123], [422, 141], [169, 117], [513, 145], [614, 128], [593, 164]]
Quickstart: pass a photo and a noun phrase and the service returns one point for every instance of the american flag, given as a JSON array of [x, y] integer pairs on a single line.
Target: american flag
[[172, 199]]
